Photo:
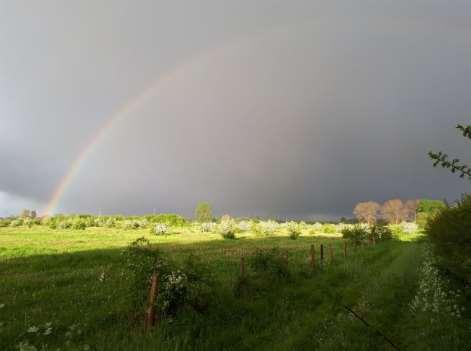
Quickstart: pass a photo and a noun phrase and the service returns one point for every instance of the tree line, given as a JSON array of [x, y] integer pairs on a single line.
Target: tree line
[[395, 211]]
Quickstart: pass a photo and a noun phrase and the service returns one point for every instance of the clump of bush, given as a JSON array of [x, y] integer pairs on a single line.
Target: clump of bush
[[187, 286], [133, 224], [244, 226], [160, 229], [18, 222], [450, 233], [266, 227], [380, 233], [191, 286], [294, 230], [170, 219], [271, 262], [227, 228], [329, 228], [356, 234], [207, 227], [141, 261], [315, 228]]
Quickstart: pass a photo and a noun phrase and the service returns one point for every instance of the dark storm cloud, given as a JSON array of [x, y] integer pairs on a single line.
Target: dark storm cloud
[[279, 109]]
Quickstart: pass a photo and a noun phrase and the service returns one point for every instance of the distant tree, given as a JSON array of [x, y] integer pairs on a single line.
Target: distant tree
[[367, 211], [410, 209], [430, 206], [427, 208], [33, 214], [203, 212], [25, 213], [225, 218], [454, 165], [393, 211]]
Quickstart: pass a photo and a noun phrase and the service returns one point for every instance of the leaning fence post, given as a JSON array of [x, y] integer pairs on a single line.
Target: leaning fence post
[[153, 292], [313, 257], [322, 254], [242, 267]]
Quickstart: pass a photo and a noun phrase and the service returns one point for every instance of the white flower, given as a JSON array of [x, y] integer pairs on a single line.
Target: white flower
[[160, 228], [33, 329]]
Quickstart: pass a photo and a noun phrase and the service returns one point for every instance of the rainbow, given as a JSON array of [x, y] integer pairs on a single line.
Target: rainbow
[[131, 105]]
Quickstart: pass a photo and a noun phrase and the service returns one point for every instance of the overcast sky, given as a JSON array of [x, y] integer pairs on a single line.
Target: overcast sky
[[274, 108]]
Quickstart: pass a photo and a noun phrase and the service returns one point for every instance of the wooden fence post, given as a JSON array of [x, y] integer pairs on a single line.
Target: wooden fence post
[[242, 267], [345, 249], [322, 254], [313, 257], [150, 318]]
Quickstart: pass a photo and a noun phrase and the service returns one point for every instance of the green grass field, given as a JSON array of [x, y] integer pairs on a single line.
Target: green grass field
[[69, 285]]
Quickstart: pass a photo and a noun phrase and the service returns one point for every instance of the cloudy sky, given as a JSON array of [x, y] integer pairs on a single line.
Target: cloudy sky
[[275, 108]]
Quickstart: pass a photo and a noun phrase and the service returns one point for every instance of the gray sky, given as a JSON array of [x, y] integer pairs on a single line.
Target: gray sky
[[275, 108]]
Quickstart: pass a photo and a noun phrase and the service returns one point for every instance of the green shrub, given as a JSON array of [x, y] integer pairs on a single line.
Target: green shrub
[[79, 224], [141, 261], [265, 227], [192, 286], [160, 229], [110, 223], [170, 219], [294, 230], [244, 226], [450, 232], [207, 227], [64, 224], [16, 222], [329, 228], [228, 229], [270, 262], [356, 234]]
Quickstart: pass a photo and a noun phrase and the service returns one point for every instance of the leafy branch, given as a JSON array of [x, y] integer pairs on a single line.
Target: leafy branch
[[465, 130], [455, 165]]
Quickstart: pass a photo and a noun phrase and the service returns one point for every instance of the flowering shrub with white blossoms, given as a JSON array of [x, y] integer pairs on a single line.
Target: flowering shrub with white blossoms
[[436, 310], [134, 224], [433, 296], [227, 229], [160, 229], [267, 227], [409, 227], [315, 228], [294, 230], [207, 227], [244, 226], [173, 293]]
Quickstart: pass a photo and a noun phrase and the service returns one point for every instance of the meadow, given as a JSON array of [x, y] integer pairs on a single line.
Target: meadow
[[67, 289]]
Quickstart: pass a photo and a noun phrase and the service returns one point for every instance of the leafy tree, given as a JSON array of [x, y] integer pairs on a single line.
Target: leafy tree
[[367, 211], [450, 231], [430, 206], [393, 211], [204, 212], [410, 209], [427, 208], [33, 214], [454, 165], [25, 213]]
